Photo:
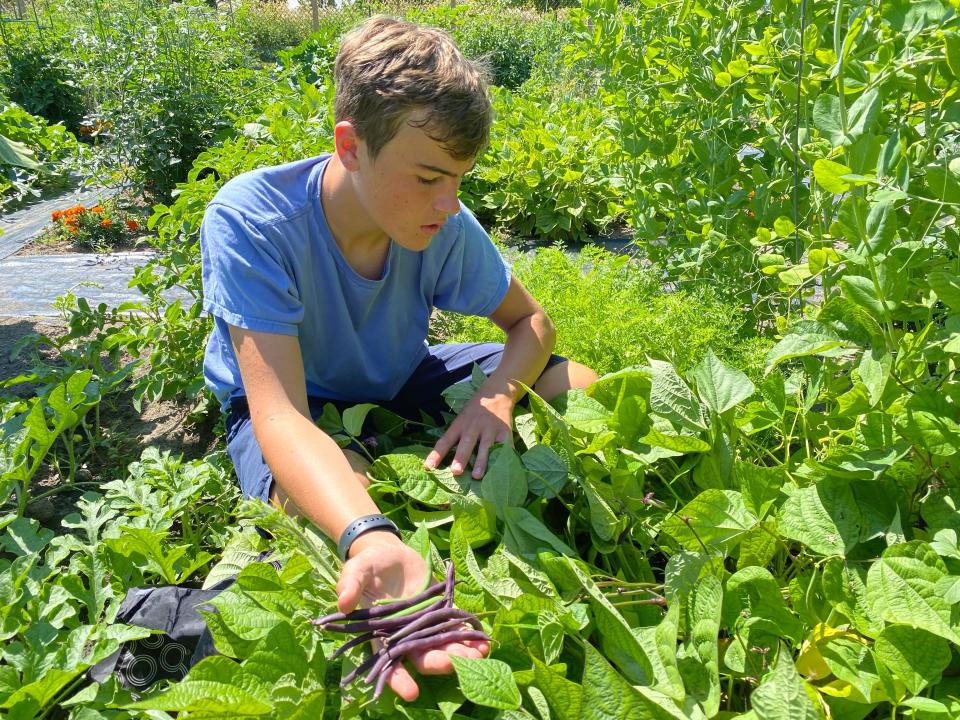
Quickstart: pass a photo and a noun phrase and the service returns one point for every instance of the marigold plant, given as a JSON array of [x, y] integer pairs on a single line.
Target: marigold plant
[[100, 227]]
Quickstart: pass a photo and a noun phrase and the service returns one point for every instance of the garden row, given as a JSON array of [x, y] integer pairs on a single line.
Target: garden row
[[752, 514], [151, 86]]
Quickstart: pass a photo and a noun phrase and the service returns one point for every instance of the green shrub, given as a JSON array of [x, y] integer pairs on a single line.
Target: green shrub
[[500, 40], [312, 60], [33, 154], [36, 74], [610, 313], [510, 41], [167, 80], [273, 27], [551, 168]]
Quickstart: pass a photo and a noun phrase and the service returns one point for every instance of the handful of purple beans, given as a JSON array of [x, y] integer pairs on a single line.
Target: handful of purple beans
[[402, 627]]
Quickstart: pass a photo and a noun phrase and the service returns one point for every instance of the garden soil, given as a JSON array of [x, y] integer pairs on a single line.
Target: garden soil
[[162, 424]]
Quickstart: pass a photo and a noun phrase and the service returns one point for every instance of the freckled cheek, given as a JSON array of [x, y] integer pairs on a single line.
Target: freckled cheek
[[404, 202]]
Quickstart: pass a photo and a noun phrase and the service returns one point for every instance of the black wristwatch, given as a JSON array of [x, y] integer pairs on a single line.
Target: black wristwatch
[[360, 526]]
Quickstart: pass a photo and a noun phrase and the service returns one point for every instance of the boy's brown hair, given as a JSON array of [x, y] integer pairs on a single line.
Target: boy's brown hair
[[387, 68]]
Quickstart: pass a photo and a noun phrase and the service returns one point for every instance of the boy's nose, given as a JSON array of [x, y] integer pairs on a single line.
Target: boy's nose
[[447, 202]]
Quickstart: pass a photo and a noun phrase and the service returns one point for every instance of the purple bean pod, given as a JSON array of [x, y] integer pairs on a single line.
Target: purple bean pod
[[381, 623], [381, 610], [426, 621], [352, 642], [384, 674], [359, 669], [398, 651], [439, 628], [428, 643], [384, 657], [450, 582]]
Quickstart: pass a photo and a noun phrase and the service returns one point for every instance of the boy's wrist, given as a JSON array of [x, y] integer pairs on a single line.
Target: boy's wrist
[[362, 527], [495, 389], [373, 538]]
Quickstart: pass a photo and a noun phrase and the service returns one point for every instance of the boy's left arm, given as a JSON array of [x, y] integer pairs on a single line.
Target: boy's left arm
[[488, 417]]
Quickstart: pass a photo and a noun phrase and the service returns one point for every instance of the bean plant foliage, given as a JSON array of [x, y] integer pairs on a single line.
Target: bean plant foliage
[[645, 550]]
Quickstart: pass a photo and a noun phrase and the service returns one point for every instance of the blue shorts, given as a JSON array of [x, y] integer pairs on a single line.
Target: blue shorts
[[443, 366]]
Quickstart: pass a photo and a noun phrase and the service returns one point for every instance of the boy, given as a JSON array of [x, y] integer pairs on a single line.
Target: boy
[[321, 276]]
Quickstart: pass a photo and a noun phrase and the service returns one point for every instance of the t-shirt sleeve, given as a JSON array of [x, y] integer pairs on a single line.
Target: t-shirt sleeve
[[474, 277], [245, 279]]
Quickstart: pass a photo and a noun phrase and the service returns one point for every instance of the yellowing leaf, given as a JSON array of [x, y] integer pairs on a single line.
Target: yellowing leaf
[[784, 226], [825, 56], [810, 662], [796, 275], [819, 258], [738, 68], [828, 175]]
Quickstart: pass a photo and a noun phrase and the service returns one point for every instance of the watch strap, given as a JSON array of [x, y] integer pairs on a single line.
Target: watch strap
[[360, 526]]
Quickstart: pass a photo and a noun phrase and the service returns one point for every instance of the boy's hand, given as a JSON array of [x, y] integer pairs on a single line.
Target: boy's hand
[[381, 566], [486, 419]]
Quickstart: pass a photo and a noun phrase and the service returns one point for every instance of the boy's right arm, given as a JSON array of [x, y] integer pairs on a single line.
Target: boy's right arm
[[315, 475], [307, 465]]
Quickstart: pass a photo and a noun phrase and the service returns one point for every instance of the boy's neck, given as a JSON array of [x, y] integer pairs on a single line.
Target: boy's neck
[[354, 233]]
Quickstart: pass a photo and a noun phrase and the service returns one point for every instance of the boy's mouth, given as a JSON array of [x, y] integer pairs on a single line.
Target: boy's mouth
[[430, 228]]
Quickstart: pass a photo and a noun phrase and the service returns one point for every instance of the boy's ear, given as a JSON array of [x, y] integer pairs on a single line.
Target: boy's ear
[[347, 144]]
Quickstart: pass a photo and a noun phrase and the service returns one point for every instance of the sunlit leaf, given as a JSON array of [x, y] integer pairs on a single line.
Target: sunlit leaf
[[902, 588], [714, 518], [828, 175]]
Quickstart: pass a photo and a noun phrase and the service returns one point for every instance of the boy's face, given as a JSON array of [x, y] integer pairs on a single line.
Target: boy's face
[[410, 189]]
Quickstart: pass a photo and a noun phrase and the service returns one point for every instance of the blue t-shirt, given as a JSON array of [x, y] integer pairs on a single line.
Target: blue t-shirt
[[270, 264]]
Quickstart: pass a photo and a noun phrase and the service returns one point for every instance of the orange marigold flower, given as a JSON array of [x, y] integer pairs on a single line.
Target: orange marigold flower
[[56, 215], [73, 229], [106, 222], [96, 209], [132, 225]]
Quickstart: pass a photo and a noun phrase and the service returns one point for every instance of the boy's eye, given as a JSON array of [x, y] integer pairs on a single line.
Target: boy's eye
[[426, 181]]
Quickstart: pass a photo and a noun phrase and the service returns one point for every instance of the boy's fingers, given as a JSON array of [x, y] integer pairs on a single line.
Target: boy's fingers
[[464, 451], [436, 661], [483, 454], [353, 580], [440, 450], [403, 684]]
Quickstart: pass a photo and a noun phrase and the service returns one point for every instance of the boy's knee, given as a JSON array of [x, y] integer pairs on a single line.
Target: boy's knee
[[564, 376]]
